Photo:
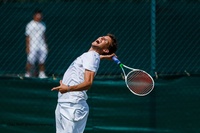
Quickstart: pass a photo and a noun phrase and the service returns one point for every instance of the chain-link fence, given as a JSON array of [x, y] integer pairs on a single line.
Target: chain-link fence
[[158, 36]]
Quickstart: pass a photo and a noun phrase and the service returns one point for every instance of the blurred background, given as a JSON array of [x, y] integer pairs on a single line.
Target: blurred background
[[158, 36]]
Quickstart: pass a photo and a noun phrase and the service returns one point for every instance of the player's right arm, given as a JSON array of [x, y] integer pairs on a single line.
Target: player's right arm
[[107, 57], [27, 44], [27, 34]]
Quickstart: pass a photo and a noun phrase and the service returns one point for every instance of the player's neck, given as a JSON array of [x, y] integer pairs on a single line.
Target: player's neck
[[96, 49], [38, 21]]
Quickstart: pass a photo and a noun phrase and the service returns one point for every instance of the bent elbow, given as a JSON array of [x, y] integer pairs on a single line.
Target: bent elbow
[[89, 84]]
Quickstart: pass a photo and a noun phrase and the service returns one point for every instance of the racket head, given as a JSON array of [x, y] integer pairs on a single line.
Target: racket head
[[139, 82]]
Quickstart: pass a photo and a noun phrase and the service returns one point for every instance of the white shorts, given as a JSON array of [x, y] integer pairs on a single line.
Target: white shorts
[[71, 118], [39, 54]]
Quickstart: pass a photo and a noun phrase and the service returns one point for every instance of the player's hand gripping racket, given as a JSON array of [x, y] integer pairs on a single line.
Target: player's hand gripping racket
[[138, 81]]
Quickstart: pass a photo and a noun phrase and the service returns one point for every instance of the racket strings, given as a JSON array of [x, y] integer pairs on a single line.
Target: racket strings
[[139, 82]]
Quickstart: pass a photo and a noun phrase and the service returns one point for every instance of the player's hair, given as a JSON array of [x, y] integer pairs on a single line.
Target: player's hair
[[113, 46], [37, 11]]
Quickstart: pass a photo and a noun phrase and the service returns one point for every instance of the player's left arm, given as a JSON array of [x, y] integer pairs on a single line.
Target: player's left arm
[[88, 80], [45, 40]]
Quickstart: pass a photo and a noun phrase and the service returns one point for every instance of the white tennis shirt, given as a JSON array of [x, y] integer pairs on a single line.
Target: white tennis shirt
[[35, 30], [75, 75]]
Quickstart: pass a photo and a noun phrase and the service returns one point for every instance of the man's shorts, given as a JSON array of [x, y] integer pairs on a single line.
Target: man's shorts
[[71, 118], [37, 54]]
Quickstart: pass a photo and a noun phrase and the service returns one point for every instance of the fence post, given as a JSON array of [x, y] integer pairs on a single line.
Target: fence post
[[153, 37]]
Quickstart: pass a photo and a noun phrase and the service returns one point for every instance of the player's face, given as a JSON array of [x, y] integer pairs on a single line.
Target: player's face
[[37, 17], [102, 42]]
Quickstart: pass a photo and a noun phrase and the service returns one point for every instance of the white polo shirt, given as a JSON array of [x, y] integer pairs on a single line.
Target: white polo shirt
[[75, 75], [35, 30]]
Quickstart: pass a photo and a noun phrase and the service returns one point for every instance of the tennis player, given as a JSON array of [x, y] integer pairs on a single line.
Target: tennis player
[[36, 47], [72, 109]]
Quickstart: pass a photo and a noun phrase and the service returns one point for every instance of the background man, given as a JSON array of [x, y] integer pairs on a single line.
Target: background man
[[36, 47]]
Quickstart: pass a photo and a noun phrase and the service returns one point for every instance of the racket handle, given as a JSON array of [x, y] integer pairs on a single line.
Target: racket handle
[[116, 60]]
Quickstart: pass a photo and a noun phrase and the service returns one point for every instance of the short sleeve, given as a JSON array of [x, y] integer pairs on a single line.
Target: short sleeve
[[91, 61], [44, 25], [28, 30]]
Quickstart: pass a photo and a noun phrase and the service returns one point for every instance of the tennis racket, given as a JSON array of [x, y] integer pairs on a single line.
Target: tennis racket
[[138, 81]]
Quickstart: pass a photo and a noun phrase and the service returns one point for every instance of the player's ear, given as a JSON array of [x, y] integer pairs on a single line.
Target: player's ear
[[106, 51]]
